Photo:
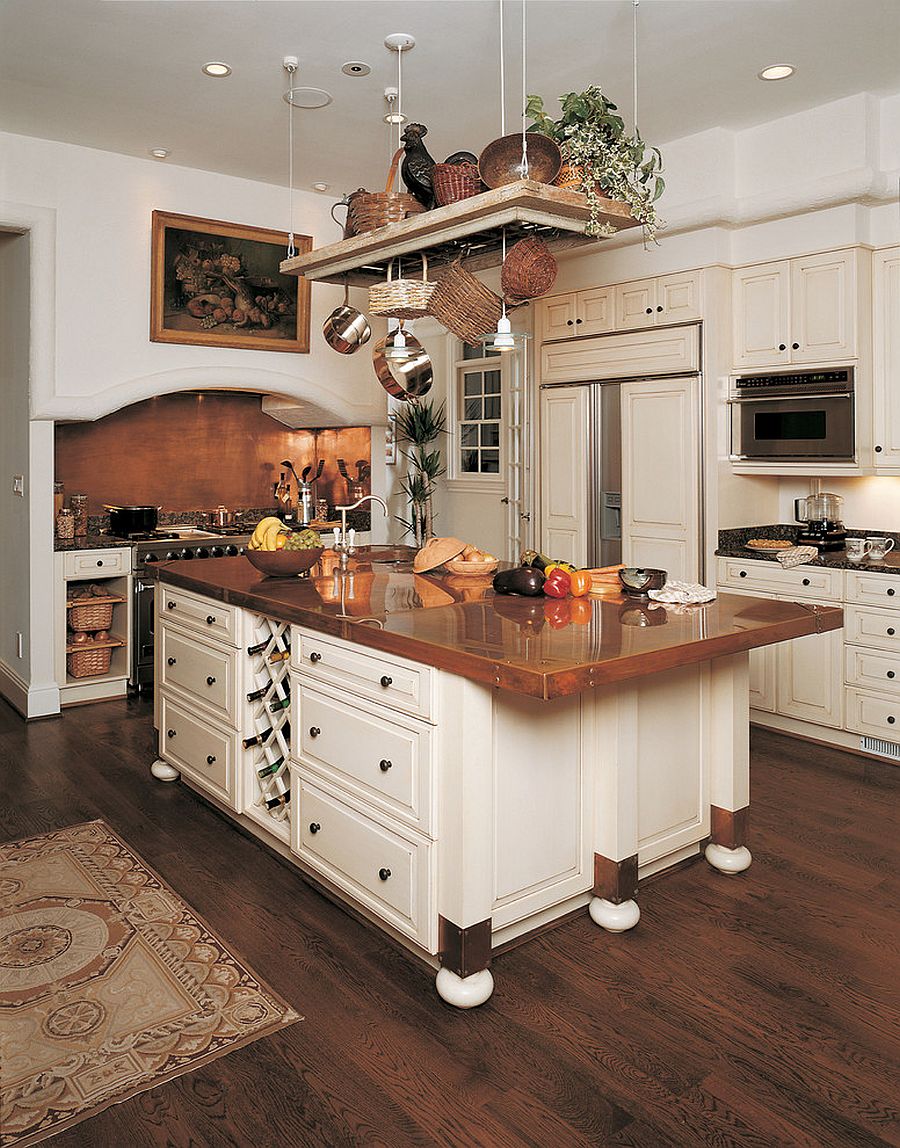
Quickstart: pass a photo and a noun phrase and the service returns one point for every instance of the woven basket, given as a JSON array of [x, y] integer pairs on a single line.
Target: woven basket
[[91, 616], [529, 270], [368, 210], [88, 663], [402, 298], [455, 181], [464, 305]]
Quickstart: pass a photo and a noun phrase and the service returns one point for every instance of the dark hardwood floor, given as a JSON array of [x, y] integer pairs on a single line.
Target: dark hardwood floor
[[758, 1010]]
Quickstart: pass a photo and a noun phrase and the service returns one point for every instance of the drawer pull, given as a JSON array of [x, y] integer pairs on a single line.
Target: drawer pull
[[210, 681], [170, 733], [743, 574], [210, 619], [891, 719], [170, 605], [891, 631], [314, 731], [171, 661], [890, 673], [314, 827], [891, 592], [805, 581], [384, 765], [315, 656], [385, 873], [99, 561], [386, 681], [210, 759]]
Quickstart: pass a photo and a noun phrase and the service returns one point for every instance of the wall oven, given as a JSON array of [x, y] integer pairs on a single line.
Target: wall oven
[[794, 416]]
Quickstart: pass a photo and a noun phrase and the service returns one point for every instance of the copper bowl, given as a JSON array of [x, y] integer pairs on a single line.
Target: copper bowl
[[284, 563], [501, 161]]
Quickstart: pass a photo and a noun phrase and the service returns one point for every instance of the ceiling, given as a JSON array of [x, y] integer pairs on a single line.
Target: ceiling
[[124, 75]]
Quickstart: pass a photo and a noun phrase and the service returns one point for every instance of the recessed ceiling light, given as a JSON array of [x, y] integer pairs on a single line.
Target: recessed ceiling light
[[777, 72], [395, 118], [321, 186], [356, 68], [307, 98], [159, 152], [217, 69]]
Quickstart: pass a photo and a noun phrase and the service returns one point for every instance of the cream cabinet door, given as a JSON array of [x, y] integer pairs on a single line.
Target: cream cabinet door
[[762, 678], [678, 297], [636, 304], [887, 359], [660, 476], [810, 678], [761, 297], [564, 454], [557, 317], [594, 311], [823, 308]]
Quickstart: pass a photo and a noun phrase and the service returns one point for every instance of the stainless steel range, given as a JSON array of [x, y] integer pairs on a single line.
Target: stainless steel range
[[172, 544]]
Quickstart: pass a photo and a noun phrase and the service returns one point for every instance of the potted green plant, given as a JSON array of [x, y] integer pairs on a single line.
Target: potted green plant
[[602, 158], [419, 424]]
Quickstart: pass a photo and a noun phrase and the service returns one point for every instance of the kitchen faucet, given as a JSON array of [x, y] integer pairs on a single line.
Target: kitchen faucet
[[343, 539]]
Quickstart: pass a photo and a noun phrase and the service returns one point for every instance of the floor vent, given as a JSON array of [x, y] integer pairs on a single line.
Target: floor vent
[[881, 747]]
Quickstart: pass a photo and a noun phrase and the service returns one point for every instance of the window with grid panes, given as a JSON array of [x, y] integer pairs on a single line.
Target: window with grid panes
[[479, 414]]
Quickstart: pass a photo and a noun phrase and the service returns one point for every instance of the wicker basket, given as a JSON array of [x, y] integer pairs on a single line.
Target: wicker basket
[[455, 181], [464, 305], [529, 270], [91, 616], [369, 210], [402, 298], [89, 663]]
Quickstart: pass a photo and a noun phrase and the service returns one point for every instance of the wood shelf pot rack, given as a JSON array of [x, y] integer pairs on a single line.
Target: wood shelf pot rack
[[472, 227]]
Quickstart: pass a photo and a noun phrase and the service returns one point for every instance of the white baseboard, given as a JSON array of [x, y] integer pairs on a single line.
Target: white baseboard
[[29, 700]]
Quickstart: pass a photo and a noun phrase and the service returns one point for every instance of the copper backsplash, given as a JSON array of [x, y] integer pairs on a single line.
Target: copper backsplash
[[198, 451]]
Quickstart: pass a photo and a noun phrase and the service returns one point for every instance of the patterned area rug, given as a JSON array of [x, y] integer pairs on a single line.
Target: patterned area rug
[[109, 984]]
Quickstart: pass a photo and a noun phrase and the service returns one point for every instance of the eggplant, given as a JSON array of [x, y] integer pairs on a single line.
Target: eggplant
[[525, 580]]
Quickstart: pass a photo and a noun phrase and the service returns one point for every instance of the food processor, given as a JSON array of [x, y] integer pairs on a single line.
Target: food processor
[[821, 518]]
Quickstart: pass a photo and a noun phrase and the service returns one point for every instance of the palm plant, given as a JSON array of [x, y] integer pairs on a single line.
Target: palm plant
[[419, 424]]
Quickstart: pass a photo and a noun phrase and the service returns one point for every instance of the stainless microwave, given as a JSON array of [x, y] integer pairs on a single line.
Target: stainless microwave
[[794, 416]]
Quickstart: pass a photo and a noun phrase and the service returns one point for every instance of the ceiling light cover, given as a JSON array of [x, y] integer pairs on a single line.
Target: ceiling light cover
[[307, 98], [159, 152], [777, 72], [356, 68], [217, 69], [321, 186]]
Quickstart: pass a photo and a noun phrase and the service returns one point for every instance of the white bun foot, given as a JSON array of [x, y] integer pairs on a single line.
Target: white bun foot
[[614, 918], [728, 860], [468, 992], [162, 771]]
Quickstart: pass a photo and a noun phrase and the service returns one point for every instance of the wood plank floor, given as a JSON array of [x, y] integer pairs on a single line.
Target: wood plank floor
[[758, 1010]]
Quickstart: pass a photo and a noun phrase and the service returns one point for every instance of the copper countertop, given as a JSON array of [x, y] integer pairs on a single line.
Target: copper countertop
[[542, 647]]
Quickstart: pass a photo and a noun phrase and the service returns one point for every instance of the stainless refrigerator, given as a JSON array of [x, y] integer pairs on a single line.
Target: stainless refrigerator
[[604, 493]]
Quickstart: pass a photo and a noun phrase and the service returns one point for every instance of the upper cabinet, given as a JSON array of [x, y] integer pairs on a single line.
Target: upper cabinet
[[624, 307], [797, 311], [886, 373], [578, 313]]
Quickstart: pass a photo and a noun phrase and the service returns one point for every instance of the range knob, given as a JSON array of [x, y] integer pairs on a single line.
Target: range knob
[[201, 552], [242, 550], [170, 554], [186, 553], [217, 552], [151, 557], [231, 550]]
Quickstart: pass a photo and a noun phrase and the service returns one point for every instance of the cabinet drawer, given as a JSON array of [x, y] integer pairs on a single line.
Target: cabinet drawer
[[769, 577], [388, 680], [872, 669], [383, 757], [88, 563], [205, 672], [873, 589], [214, 619], [864, 626], [875, 714], [384, 870], [206, 755]]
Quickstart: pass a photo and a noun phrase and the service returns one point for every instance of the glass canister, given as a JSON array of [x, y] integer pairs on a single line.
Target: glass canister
[[59, 497], [65, 525], [321, 510], [79, 505]]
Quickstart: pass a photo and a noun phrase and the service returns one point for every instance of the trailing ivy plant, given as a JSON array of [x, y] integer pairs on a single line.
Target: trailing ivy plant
[[419, 424], [592, 136]]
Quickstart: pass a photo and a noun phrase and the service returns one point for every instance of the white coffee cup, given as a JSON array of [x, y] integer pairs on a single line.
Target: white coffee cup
[[878, 547], [857, 549]]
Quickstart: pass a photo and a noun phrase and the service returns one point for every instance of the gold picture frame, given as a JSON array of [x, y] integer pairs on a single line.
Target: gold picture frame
[[218, 284]]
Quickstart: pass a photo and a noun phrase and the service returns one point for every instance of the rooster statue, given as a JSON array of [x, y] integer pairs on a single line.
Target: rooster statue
[[417, 165]]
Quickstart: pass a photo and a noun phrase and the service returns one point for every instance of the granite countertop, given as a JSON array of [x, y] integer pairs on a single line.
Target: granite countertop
[[731, 545], [541, 647], [92, 542]]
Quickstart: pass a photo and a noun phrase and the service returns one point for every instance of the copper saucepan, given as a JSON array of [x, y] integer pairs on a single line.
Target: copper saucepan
[[408, 378], [346, 329]]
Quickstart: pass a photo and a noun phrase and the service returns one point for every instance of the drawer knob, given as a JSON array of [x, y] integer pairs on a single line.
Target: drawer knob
[[782, 346], [891, 719], [386, 681], [210, 681], [385, 873], [891, 592], [879, 449], [891, 631], [805, 581], [795, 346], [649, 310], [891, 674], [210, 759], [314, 731], [568, 322], [170, 733], [315, 656], [577, 321], [314, 827], [384, 765], [210, 618], [170, 605], [171, 661], [99, 561], [743, 573], [659, 310]]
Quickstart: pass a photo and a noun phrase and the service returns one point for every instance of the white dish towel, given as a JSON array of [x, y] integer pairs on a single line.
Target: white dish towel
[[683, 593], [796, 556]]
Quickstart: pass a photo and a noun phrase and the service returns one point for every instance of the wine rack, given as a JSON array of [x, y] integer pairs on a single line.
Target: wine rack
[[267, 725]]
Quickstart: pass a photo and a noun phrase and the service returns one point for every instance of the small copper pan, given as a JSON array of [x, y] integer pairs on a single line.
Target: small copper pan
[[346, 329], [408, 378]]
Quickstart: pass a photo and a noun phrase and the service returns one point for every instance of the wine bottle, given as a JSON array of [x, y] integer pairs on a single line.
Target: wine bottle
[[258, 648], [280, 655], [254, 694], [271, 767], [281, 704], [275, 802], [257, 739]]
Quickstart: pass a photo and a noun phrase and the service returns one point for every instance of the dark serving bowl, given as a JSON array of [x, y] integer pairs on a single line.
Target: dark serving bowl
[[284, 563], [639, 581]]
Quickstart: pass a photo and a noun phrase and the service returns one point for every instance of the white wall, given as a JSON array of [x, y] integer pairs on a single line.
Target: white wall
[[869, 503]]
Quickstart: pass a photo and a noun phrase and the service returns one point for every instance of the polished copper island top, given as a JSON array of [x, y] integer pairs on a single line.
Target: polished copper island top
[[543, 647]]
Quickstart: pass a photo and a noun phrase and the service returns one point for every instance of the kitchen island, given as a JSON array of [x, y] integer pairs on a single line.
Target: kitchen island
[[461, 767]]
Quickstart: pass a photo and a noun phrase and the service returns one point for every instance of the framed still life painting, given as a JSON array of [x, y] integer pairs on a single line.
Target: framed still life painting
[[218, 284]]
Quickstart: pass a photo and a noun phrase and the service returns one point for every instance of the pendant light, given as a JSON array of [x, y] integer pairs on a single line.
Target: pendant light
[[396, 350]]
